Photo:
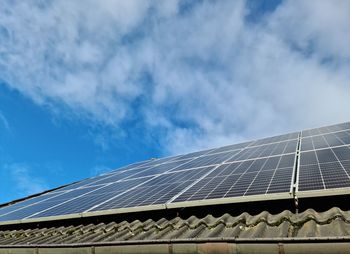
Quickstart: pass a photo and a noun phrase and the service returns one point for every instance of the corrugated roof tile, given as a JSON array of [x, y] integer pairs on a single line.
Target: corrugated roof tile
[[332, 223]]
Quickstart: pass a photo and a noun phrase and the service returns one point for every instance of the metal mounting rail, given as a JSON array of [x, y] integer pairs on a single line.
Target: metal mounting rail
[[296, 173]]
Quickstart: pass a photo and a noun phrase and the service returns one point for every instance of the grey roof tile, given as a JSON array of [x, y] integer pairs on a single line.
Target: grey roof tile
[[332, 223]]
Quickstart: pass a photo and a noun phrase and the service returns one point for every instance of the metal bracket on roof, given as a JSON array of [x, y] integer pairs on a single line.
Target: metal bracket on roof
[[296, 203], [296, 174]]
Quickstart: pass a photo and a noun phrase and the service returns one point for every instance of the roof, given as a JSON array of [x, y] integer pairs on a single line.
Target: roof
[[334, 223]]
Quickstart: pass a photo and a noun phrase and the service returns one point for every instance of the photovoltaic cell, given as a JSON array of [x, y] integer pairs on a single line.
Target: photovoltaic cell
[[342, 153], [281, 180], [310, 178]]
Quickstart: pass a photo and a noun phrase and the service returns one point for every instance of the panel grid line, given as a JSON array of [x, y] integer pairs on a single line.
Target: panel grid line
[[191, 185], [330, 132], [340, 163], [68, 200], [238, 179], [274, 173], [318, 162], [117, 195], [255, 177]]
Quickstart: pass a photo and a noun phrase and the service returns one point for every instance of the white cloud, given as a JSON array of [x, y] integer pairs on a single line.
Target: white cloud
[[322, 26], [215, 78], [25, 182]]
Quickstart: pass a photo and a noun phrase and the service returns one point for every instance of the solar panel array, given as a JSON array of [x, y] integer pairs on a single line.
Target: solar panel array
[[257, 169]]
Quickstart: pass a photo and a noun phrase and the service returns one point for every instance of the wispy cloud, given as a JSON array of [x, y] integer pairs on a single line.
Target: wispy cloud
[[201, 74], [24, 179], [4, 123], [99, 169]]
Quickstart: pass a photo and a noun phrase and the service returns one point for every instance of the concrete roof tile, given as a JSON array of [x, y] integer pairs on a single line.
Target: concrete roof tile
[[310, 223]]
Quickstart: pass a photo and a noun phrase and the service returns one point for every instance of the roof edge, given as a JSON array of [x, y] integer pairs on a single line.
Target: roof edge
[[190, 240]]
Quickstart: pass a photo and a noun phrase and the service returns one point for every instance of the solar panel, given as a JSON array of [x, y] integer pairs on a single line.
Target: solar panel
[[193, 155], [316, 160], [266, 150], [324, 161], [206, 160], [39, 204], [230, 148], [157, 191], [7, 209], [275, 139], [144, 164], [106, 178], [90, 199], [250, 177], [326, 129]]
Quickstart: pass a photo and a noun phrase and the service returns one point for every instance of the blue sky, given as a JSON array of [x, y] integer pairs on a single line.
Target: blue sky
[[85, 90]]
